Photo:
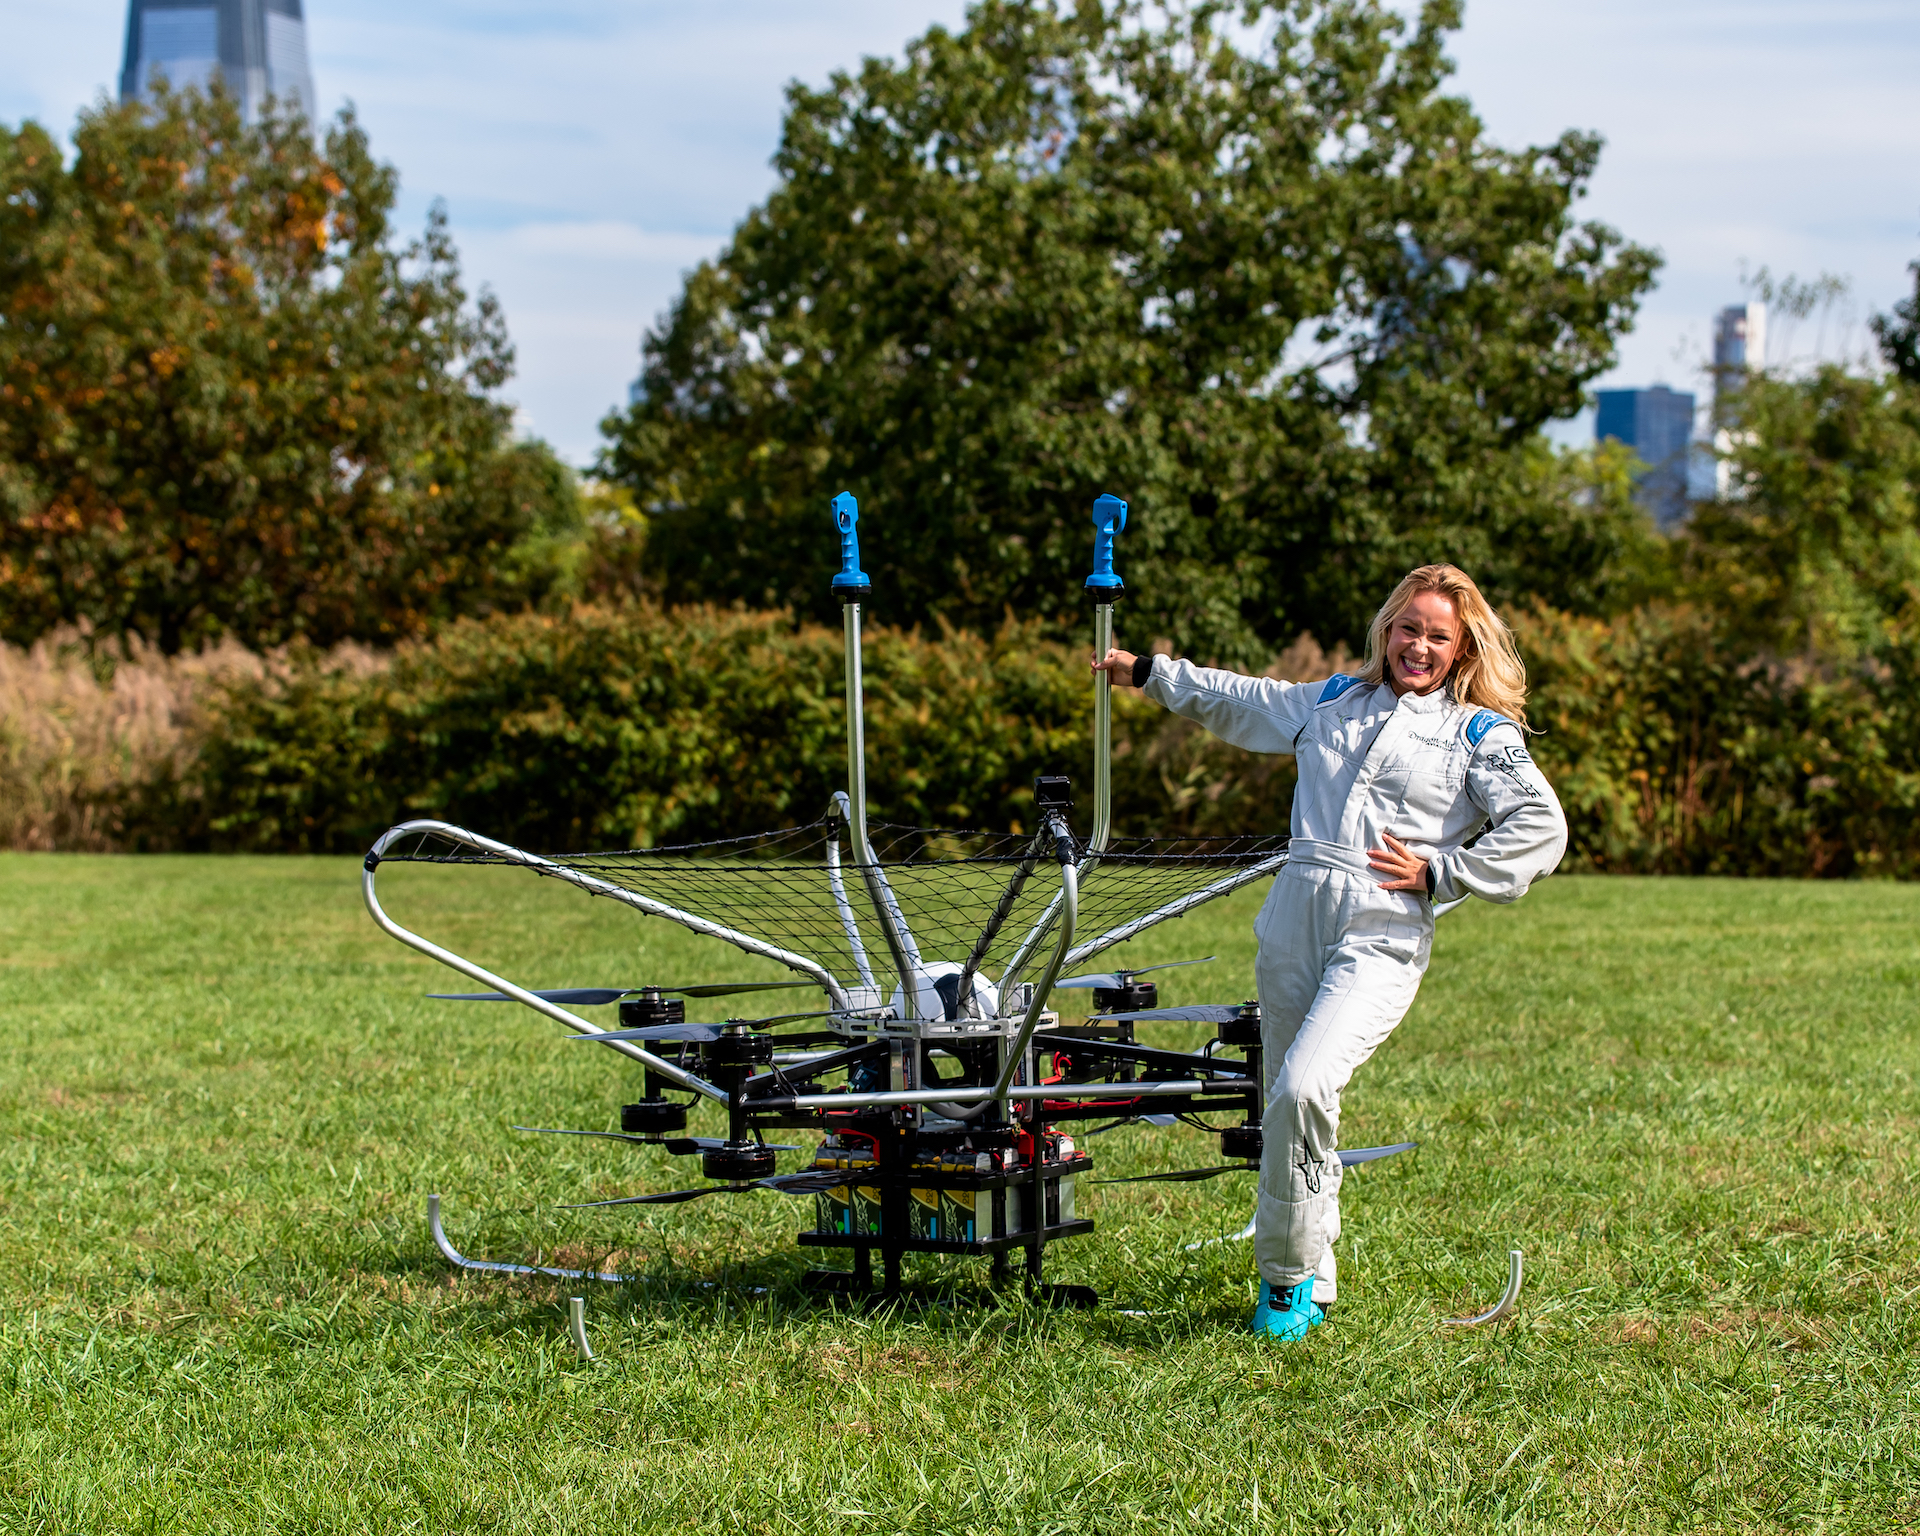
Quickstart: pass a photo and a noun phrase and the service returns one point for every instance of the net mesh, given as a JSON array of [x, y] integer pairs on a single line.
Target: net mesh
[[780, 888]]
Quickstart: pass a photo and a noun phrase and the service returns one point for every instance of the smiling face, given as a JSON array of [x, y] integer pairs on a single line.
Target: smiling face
[[1423, 643]]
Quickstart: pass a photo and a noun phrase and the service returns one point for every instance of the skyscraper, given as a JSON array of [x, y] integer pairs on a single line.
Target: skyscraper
[[1739, 343], [259, 47], [1657, 424]]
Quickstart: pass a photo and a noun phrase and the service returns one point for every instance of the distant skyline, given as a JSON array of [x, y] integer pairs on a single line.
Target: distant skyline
[[589, 151]]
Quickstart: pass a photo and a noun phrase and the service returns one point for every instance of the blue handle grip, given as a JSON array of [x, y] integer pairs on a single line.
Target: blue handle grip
[[851, 580], [1109, 517]]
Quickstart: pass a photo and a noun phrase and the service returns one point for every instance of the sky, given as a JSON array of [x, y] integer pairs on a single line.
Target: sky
[[590, 151]]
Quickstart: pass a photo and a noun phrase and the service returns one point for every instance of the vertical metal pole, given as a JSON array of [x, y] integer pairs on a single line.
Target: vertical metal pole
[[1105, 587], [856, 735], [1102, 732], [878, 891], [850, 585]]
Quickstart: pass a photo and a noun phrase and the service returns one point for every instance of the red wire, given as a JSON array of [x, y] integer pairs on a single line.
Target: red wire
[[861, 1134]]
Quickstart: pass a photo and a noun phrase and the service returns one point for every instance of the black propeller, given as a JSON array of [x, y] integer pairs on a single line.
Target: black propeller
[[1121, 978], [1194, 1175], [698, 1032], [1114, 1125], [593, 997], [581, 997], [676, 1146], [1199, 1013], [806, 1182]]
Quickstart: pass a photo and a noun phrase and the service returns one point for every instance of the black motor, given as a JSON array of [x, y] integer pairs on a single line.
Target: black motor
[[655, 1115], [1135, 997], [650, 1008]]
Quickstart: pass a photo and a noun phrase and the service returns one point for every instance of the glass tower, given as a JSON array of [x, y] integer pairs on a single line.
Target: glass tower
[[258, 47], [1657, 424]]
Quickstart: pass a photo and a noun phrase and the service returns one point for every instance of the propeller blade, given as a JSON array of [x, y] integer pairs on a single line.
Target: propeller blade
[[1114, 1125], [671, 1197], [1092, 979], [1368, 1154], [692, 1032], [1194, 1175], [788, 1018], [1120, 978], [803, 1183], [807, 1182], [1170, 965], [676, 1146], [593, 997], [1197, 1013], [1185, 1175], [700, 1033], [686, 1146], [584, 997]]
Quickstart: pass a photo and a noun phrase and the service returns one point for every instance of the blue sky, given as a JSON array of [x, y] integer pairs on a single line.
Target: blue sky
[[589, 151]]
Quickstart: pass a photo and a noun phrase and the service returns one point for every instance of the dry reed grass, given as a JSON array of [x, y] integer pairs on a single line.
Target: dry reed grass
[[88, 737]]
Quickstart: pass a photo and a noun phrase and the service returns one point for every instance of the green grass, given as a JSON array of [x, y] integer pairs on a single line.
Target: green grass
[[1690, 1102]]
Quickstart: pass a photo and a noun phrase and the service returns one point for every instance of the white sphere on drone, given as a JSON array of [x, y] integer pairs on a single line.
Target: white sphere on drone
[[933, 1000]]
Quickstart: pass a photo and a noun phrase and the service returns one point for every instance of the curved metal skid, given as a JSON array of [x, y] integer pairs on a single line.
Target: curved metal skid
[[455, 1256], [1504, 1305]]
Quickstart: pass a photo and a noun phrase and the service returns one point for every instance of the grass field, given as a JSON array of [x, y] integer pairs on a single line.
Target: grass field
[[1691, 1103]]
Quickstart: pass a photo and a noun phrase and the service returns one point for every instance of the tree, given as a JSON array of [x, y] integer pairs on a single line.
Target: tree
[[1817, 554], [228, 403], [1899, 333], [1285, 299]]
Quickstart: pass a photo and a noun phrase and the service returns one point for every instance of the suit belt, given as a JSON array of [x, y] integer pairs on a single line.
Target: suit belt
[[1305, 850]]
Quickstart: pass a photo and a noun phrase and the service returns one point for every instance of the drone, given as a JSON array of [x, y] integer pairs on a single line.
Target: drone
[[943, 1092]]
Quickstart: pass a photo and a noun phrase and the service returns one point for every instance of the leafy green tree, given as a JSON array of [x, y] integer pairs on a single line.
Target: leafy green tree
[[1899, 332], [1817, 553], [228, 401], [1281, 295]]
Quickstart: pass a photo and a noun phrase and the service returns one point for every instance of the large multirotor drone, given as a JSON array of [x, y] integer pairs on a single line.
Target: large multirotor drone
[[941, 1088]]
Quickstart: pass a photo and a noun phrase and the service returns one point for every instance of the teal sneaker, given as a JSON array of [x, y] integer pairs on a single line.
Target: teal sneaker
[[1286, 1314]]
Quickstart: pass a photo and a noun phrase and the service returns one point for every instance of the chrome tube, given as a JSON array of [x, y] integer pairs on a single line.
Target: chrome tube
[[674, 1074], [1102, 732], [838, 883], [457, 1257], [1178, 908], [1069, 913], [1515, 1270], [1002, 910], [893, 923], [912, 1096], [1010, 973], [805, 965]]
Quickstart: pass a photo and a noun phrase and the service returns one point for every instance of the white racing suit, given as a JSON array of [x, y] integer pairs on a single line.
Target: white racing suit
[[1340, 959]]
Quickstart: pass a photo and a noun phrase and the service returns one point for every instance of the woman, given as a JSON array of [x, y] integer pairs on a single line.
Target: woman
[[1399, 769]]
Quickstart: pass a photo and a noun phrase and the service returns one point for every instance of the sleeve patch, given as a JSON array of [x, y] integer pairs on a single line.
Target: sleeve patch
[[1336, 685], [1482, 722]]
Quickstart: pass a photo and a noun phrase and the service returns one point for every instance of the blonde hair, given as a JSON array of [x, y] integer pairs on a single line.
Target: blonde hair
[[1488, 673]]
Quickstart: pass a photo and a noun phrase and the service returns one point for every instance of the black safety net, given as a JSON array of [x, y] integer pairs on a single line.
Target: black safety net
[[959, 895]]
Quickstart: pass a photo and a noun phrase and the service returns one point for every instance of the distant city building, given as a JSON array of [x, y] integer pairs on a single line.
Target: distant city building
[[1739, 343], [258, 47], [1657, 424]]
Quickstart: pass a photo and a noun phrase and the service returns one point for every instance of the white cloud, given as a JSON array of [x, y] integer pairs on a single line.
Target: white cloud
[[611, 240], [590, 152]]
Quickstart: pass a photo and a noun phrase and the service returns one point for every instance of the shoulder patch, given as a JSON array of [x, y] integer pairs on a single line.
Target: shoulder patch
[[1483, 721], [1336, 685]]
